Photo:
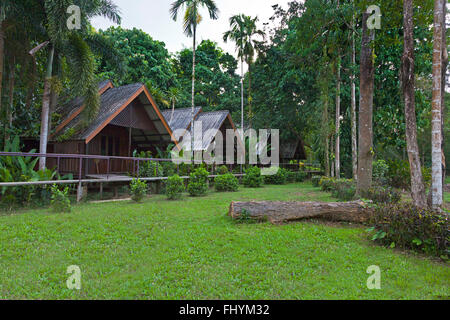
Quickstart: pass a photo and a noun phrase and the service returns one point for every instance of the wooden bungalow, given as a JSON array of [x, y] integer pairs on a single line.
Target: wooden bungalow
[[292, 150], [213, 123], [128, 120]]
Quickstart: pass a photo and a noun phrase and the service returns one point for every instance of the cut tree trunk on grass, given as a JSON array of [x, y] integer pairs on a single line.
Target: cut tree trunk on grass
[[279, 212]]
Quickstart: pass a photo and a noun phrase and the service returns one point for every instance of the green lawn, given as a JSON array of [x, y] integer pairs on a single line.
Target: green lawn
[[190, 249]]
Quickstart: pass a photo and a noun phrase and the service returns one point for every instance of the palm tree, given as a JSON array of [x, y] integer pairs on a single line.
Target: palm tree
[[191, 20], [173, 95], [79, 57], [242, 31]]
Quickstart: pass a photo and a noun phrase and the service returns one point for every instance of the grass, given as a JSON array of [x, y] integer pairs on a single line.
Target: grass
[[190, 249]]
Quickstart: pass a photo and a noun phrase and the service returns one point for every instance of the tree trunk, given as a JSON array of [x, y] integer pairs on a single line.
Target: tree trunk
[[325, 129], [444, 83], [249, 95], [242, 95], [353, 112], [334, 158], [46, 109], [2, 55], [31, 85], [279, 212], [365, 147], [436, 108], [337, 158], [408, 80], [10, 107], [193, 93]]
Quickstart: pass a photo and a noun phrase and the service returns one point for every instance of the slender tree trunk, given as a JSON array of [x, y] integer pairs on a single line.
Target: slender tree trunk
[[417, 186], [2, 55], [46, 108], [337, 159], [242, 95], [332, 173], [10, 107], [353, 112], [444, 83], [173, 111], [250, 115], [193, 92], [365, 147], [325, 129], [31, 85], [436, 108]]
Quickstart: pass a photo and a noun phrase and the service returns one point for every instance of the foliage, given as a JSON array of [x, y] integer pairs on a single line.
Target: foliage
[[380, 171], [226, 182], [149, 169], [138, 190], [316, 180], [174, 187], [380, 194], [252, 178], [198, 182], [60, 200], [222, 170], [406, 226], [280, 177], [344, 189], [295, 176], [398, 175]]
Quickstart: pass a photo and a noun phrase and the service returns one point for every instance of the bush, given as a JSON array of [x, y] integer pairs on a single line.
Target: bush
[[222, 170], [379, 194], [399, 175], [150, 169], [326, 183], [198, 182], [226, 182], [380, 171], [174, 187], [344, 189], [252, 178], [278, 178], [316, 180], [138, 190], [60, 200], [295, 176], [409, 227]]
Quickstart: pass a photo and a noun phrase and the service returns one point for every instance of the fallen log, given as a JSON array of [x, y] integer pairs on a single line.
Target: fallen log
[[279, 212]]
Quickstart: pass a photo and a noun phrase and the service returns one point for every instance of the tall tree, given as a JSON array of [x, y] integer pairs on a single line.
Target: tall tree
[[353, 103], [436, 117], [191, 20], [408, 81], [173, 94], [78, 54], [365, 148]]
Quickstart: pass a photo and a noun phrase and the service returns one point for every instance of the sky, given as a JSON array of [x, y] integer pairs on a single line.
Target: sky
[[152, 16]]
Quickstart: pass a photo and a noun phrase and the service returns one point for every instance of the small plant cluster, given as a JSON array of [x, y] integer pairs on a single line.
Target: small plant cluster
[[138, 190], [222, 170], [252, 178], [60, 201], [198, 182], [345, 189], [226, 183], [315, 180], [174, 187], [296, 176], [398, 174], [380, 194], [280, 177], [409, 227]]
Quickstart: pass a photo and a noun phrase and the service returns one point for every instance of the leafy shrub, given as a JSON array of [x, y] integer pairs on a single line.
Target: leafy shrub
[[198, 182], [252, 178], [344, 189], [379, 194], [327, 183], [60, 201], [222, 170], [279, 177], [295, 176], [138, 190], [409, 227], [174, 187], [226, 182], [399, 175], [316, 180], [380, 171]]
